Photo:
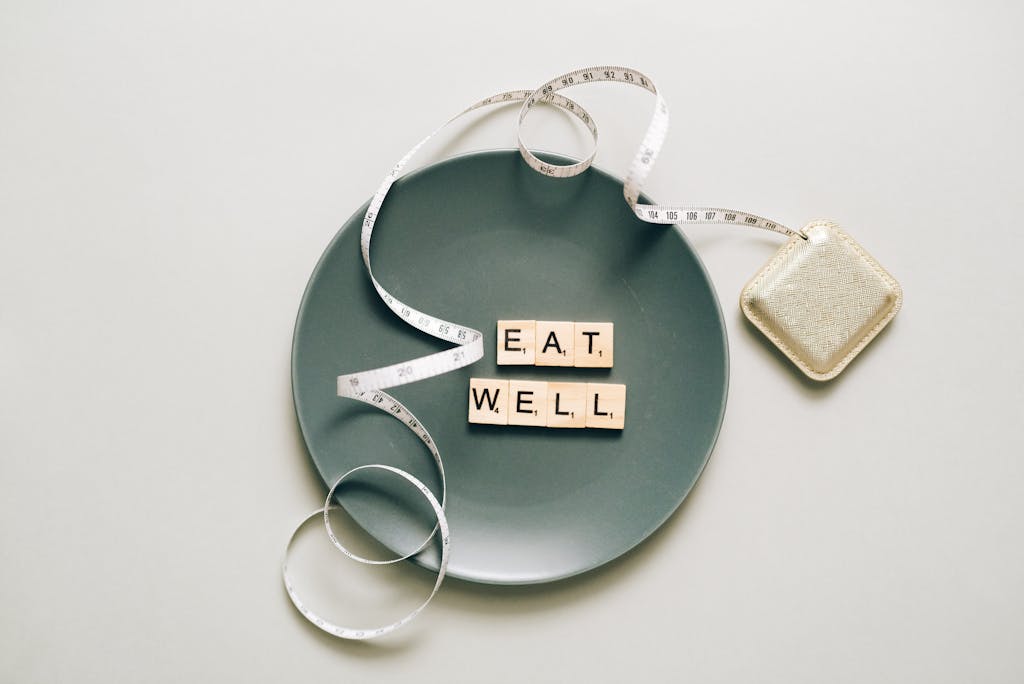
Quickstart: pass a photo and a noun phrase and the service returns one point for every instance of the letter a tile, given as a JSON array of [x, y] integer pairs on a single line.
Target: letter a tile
[[555, 343]]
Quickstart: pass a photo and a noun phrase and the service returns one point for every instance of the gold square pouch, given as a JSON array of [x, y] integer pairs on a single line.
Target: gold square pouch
[[821, 300]]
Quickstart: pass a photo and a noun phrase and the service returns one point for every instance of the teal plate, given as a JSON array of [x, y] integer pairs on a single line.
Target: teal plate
[[475, 239]]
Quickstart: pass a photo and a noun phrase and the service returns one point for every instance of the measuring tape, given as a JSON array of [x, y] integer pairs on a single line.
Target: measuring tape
[[347, 632], [367, 386]]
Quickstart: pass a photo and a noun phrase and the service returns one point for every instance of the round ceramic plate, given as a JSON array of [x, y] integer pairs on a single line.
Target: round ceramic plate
[[475, 239]]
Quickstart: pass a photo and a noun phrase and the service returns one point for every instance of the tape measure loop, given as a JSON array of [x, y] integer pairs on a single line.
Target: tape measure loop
[[362, 634], [394, 408], [643, 160]]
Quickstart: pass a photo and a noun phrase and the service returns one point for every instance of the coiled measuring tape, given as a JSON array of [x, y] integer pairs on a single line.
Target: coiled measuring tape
[[328, 625], [367, 386]]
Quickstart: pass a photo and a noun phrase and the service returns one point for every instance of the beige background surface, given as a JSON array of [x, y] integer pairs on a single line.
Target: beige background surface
[[170, 172]]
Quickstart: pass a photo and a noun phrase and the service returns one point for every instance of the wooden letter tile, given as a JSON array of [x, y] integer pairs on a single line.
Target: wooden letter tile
[[554, 340], [606, 406], [567, 405], [488, 401], [516, 343], [594, 345], [527, 403]]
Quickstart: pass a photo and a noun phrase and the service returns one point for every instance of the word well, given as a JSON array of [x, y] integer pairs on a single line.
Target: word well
[[547, 404]]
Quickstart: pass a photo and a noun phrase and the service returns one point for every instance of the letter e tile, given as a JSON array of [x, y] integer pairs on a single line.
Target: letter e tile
[[527, 402], [515, 343]]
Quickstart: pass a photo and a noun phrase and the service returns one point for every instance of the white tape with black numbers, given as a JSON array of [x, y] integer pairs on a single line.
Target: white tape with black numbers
[[330, 626], [645, 156]]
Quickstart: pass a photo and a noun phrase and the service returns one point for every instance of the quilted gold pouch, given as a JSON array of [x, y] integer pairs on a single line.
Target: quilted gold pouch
[[821, 300]]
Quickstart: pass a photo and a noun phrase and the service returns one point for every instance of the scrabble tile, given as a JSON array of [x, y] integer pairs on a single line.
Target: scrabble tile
[[527, 403], [594, 345], [567, 405], [516, 343], [554, 340], [606, 406], [488, 401]]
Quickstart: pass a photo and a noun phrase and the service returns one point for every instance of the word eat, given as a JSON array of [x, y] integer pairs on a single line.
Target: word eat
[[555, 343]]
